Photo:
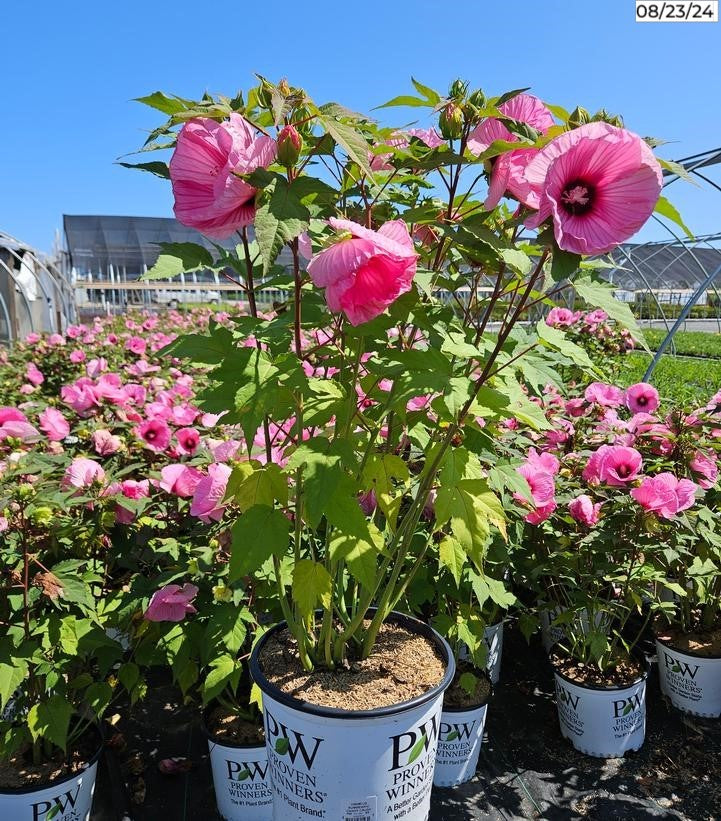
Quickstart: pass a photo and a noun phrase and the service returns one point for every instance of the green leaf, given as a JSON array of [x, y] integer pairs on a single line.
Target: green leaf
[[224, 668], [351, 140], [468, 682], [505, 475], [452, 736], [128, 675], [417, 749], [178, 258], [557, 339], [563, 264], [311, 584], [322, 472], [11, 676], [205, 349], [161, 102], [160, 169], [280, 218], [600, 295], [360, 556], [405, 100], [324, 399], [666, 209], [433, 97], [678, 169], [227, 627], [516, 259], [452, 556], [50, 720], [282, 745], [98, 696], [471, 507], [258, 534]]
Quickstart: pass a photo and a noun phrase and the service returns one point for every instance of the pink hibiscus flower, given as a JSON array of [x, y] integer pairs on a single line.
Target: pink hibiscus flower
[[171, 603], [642, 398], [508, 173], [599, 184], [82, 473], [665, 495], [207, 502], [105, 443], [615, 465], [54, 425], [607, 395], [204, 169], [155, 433], [364, 273], [583, 510], [188, 440], [180, 480]]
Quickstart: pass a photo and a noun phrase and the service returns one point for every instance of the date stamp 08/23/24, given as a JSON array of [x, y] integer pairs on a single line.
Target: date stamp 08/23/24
[[677, 11]]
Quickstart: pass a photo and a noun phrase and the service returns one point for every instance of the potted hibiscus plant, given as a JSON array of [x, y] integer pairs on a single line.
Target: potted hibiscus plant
[[59, 668], [688, 627], [203, 631], [603, 523], [376, 375]]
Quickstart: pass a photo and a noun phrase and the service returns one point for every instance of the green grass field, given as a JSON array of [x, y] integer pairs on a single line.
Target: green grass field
[[679, 380], [688, 343]]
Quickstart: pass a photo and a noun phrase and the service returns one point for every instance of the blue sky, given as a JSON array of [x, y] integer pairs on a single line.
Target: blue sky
[[70, 71]]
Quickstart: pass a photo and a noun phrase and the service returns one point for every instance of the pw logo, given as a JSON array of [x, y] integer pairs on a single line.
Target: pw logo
[[565, 696], [293, 744], [414, 742], [625, 706], [58, 807], [681, 667], [456, 732], [242, 770]]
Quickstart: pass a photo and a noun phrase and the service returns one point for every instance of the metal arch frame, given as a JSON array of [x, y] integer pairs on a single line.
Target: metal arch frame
[[684, 253], [61, 296], [18, 288]]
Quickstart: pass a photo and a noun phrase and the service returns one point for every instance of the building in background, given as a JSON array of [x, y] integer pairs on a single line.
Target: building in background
[[105, 257]]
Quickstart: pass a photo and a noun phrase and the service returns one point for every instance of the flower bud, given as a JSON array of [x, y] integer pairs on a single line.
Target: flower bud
[[450, 121], [42, 516], [283, 87], [222, 593], [25, 491], [289, 145], [477, 99], [458, 90], [579, 116], [265, 94]]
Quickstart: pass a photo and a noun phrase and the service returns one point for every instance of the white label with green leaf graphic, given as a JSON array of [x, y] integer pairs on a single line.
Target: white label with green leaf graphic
[[242, 782], [67, 800], [351, 769], [459, 746], [599, 722], [692, 683]]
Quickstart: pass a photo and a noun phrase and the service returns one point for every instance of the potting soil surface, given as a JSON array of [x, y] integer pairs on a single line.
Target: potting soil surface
[[526, 770]]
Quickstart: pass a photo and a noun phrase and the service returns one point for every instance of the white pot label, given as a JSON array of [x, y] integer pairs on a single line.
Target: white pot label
[[242, 782], [70, 800], [459, 745], [364, 810], [604, 723], [692, 683], [493, 638], [322, 767]]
